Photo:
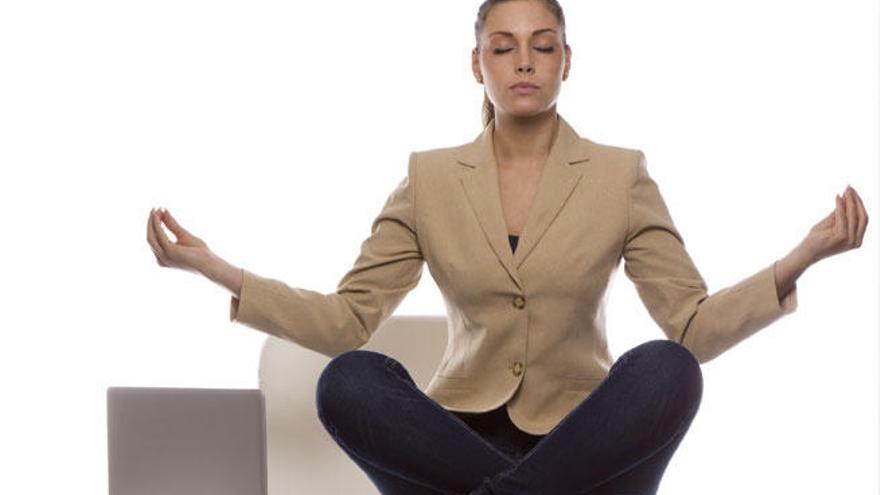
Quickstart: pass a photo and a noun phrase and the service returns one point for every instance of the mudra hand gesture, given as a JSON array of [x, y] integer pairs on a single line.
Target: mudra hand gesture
[[188, 253], [840, 231]]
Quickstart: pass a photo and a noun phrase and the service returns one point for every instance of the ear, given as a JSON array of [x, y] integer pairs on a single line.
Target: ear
[[475, 66], [567, 62]]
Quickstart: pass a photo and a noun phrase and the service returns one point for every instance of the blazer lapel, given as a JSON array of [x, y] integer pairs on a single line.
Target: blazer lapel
[[558, 180]]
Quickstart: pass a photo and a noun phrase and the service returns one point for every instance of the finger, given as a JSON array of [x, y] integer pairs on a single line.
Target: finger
[[173, 225], [149, 228], [155, 245], [851, 217], [151, 233], [839, 220], [863, 219], [164, 243], [861, 203]]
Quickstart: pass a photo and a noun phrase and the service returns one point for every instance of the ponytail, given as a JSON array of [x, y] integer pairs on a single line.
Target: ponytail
[[488, 109]]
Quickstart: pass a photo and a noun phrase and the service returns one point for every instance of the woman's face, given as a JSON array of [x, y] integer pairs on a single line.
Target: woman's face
[[521, 42]]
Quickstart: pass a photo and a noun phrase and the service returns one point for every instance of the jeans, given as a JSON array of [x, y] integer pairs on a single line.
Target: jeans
[[496, 427], [618, 440]]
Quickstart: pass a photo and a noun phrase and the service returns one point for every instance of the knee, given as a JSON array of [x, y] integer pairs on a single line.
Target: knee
[[668, 350], [341, 382], [672, 365]]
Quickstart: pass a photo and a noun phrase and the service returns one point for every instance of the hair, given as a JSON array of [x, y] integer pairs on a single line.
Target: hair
[[483, 12]]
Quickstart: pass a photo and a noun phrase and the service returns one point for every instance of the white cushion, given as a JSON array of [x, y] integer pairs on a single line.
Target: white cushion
[[302, 456]]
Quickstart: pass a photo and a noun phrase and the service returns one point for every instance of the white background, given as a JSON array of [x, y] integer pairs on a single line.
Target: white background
[[275, 131]]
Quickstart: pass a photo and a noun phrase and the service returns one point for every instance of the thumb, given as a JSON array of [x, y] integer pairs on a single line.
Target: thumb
[[827, 222], [173, 225]]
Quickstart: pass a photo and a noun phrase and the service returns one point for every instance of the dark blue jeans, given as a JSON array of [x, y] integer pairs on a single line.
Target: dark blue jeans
[[618, 440]]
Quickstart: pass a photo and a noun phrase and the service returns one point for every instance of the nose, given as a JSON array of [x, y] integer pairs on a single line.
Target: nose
[[524, 67], [524, 64]]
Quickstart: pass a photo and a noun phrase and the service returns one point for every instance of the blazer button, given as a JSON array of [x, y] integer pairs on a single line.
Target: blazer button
[[517, 368], [519, 302]]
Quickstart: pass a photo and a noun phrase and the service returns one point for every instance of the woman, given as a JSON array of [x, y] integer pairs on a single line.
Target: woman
[[526, 399]]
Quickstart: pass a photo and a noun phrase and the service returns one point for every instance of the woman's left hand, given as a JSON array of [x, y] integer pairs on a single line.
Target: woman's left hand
[[841, 230]]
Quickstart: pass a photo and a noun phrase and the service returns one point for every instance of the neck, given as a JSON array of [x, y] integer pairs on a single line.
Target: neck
[[524, 142]]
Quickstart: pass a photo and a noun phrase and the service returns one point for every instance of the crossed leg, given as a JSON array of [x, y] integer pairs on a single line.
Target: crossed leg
[[644, 477], [402, 439], [626, 428], [618, 440]]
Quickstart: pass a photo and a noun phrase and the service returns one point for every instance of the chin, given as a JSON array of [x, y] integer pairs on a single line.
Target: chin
[[530, 109]]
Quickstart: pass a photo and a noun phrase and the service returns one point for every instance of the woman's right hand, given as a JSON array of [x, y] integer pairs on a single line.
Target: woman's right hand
[[188, 253]]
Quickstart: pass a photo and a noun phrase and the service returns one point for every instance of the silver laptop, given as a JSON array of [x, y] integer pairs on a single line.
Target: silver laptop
[[185, 441]]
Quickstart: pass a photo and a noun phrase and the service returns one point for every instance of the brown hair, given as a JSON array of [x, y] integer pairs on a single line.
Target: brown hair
[[554, 8]]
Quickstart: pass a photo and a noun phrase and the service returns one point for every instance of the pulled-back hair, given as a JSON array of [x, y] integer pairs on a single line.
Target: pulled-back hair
[[554, 8]]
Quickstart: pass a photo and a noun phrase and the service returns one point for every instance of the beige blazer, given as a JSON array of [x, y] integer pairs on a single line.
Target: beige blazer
[[525, 328]]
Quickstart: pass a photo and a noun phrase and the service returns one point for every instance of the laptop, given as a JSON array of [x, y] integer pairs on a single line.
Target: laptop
[[186, 441]]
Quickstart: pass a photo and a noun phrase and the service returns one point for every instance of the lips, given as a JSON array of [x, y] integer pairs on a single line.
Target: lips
[[524, 88]]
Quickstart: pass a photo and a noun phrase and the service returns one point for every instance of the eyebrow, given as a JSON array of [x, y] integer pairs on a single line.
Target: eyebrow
[[534, 33]]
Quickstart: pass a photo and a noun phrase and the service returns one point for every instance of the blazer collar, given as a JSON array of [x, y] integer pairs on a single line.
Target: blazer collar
[[480, 180]]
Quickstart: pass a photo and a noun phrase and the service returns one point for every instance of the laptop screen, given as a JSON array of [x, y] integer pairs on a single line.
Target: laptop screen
[[184, 441]]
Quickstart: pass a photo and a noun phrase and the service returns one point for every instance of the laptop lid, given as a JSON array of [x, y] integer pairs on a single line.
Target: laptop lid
[[185, 441]]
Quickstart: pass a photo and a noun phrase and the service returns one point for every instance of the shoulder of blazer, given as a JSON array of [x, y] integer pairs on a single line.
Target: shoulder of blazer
[[608, 153], [438, 156], [434, 165]]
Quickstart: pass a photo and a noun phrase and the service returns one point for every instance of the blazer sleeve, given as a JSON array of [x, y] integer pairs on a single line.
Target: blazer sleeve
[[388, 267], [674, 292]]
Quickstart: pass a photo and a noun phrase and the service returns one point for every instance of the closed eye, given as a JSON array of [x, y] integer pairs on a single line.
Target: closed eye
[[499, 51]]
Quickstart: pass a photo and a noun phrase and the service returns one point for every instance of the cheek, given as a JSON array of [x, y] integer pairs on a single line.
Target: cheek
[[492, 75], [492, 66], [554, 65]]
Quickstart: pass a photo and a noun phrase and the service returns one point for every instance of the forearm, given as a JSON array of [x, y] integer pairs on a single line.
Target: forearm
[[789, 268], [223, 273]]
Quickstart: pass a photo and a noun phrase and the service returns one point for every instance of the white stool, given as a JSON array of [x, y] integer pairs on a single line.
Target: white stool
[[302, 456]]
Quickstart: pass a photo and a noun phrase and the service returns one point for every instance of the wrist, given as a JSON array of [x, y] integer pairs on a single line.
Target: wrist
[[790, 267], [209, 265], [801, 257], [222, 273]]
